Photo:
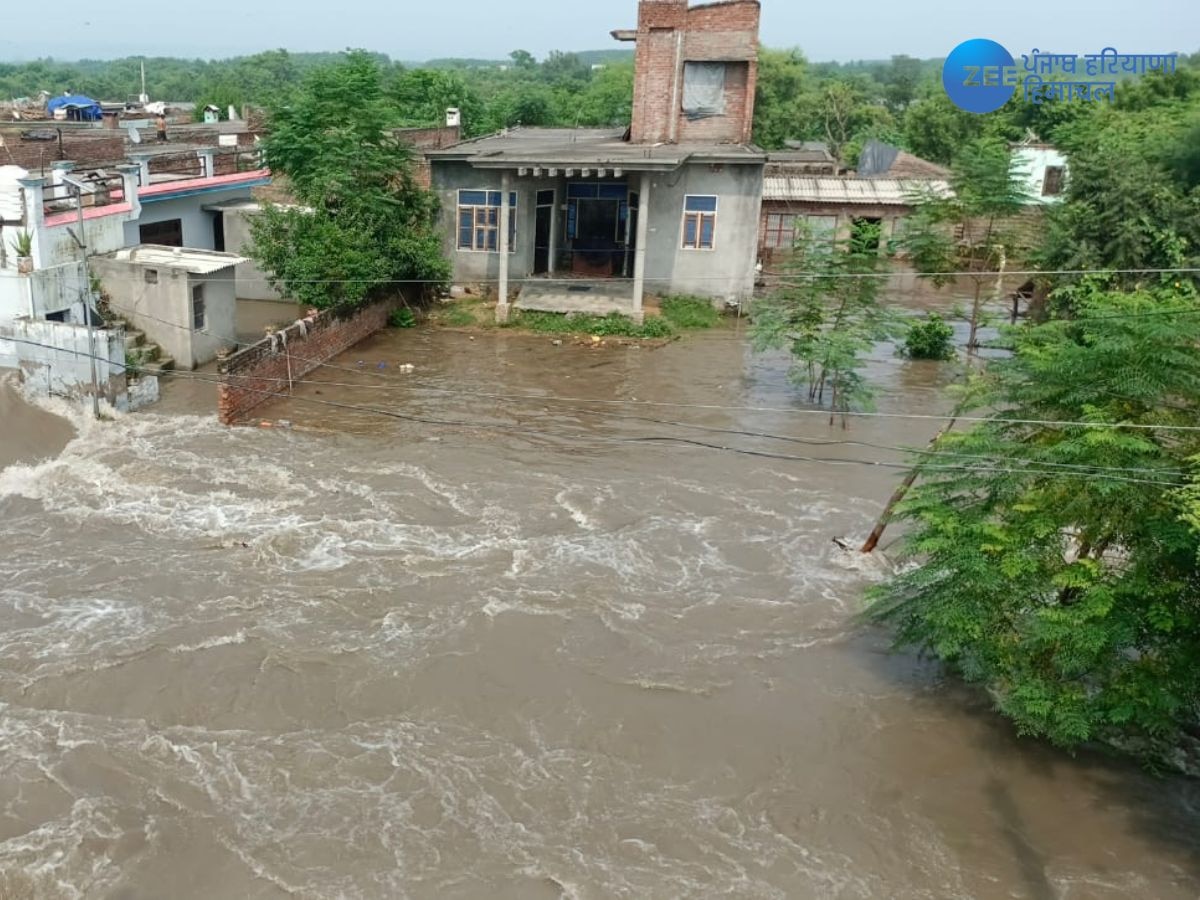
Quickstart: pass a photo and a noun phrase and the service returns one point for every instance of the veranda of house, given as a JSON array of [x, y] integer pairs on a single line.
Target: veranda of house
[[594, 223]]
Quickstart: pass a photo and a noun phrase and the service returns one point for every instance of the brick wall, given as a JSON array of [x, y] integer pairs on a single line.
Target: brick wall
[[427, 139], [85, 147], [250, 377], [669, 35]]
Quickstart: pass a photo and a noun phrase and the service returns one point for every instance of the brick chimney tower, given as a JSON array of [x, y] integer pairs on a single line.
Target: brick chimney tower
[[696, 70]]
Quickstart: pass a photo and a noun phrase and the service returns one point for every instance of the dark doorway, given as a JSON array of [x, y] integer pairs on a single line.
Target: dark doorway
[[866, 235], [219, 232], [165, 234], [541, 232], [597, 250]]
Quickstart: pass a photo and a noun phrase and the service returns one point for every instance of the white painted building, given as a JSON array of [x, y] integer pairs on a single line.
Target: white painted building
[[72, 214], [1046, 169]]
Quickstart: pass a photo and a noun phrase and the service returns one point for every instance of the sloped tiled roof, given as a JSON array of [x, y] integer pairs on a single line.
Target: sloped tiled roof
[[909, 166], [863, 191]]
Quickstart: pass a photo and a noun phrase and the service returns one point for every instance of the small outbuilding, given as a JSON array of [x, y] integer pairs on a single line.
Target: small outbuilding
[[184, 300]]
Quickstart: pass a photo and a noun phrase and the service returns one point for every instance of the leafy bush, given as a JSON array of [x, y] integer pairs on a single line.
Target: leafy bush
[[930, 339], [612, 325], [686, 312], [364, 225], [1069, 591], [402, 318]]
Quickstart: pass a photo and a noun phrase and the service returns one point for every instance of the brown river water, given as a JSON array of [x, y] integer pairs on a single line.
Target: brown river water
[[371, 657]]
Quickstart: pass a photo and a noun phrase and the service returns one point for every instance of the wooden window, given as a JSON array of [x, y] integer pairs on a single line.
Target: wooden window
[[479, 221], [199, 313], [699, 222], [1052, 185], [780, 232]]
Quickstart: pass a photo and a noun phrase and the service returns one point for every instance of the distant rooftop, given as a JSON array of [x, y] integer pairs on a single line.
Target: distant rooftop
[[587, 147]]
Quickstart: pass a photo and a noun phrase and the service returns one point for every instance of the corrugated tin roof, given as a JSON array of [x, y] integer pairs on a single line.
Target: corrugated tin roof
[[863, 191], [197, 262]]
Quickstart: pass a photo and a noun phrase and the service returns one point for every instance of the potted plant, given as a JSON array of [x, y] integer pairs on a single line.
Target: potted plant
[[23, 246]]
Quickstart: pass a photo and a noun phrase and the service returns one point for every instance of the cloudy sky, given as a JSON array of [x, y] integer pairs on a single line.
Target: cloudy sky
[[863, 29]]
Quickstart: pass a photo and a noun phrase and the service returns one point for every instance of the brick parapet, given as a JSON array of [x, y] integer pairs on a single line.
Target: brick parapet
[[265, 370]]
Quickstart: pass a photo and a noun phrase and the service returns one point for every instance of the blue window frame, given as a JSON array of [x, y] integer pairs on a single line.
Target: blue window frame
[[479, 221], [699, 222]]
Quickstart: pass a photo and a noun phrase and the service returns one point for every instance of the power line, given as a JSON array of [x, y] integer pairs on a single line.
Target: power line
[[486, 426], [792, 411], [796, 275]]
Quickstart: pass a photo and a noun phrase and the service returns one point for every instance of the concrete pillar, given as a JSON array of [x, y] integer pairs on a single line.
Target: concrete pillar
[[207, 160], [34, 190], [502, 307], [639, 255], [35, 202], [553, 257], [142, 161], [60, 169], [129, 185]]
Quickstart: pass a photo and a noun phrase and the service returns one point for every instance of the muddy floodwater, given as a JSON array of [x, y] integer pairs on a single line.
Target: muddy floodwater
[[574, 654]]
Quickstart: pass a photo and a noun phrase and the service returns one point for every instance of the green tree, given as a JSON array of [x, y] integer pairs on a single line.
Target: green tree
[[935, 129], [901, 82], [565, 68], [785, 108], [523, 61], [1051, 562], [608, 99], [365, 226], [827, 313], [1131, 200], [969, 231], [422, 96]]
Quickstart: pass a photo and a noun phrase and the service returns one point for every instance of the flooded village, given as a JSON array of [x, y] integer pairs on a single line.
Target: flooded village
[[407, 508]]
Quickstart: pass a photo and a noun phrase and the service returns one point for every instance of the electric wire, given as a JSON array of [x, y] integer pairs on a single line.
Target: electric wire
[[653, 439], [715, 407]]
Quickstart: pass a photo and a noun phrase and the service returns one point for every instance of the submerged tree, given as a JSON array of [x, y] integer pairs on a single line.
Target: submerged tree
[[828, 314], [365, 227], [971, 232], [1054, 564]]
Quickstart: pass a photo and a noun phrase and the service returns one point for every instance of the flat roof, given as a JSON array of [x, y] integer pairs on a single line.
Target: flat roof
[[864, 191], [587, 147], [197, 262]]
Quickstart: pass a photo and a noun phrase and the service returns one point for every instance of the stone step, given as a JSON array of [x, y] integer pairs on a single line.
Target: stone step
[[160, 366], [134, 339]]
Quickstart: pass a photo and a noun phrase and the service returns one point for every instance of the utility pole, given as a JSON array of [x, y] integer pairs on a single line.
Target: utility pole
[[81, 239]]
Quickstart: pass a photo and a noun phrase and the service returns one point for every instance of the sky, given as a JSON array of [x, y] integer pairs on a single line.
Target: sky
[[862, 29]]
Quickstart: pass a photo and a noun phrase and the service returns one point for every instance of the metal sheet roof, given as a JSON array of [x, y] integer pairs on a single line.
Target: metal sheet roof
[[863, 191], [197, 262]]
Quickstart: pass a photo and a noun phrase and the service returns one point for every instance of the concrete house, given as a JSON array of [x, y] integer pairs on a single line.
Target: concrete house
[[593, 219], [185, 299], [171, 197]]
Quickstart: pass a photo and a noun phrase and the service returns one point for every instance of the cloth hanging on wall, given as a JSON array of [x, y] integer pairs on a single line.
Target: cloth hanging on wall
[[703, 90]]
